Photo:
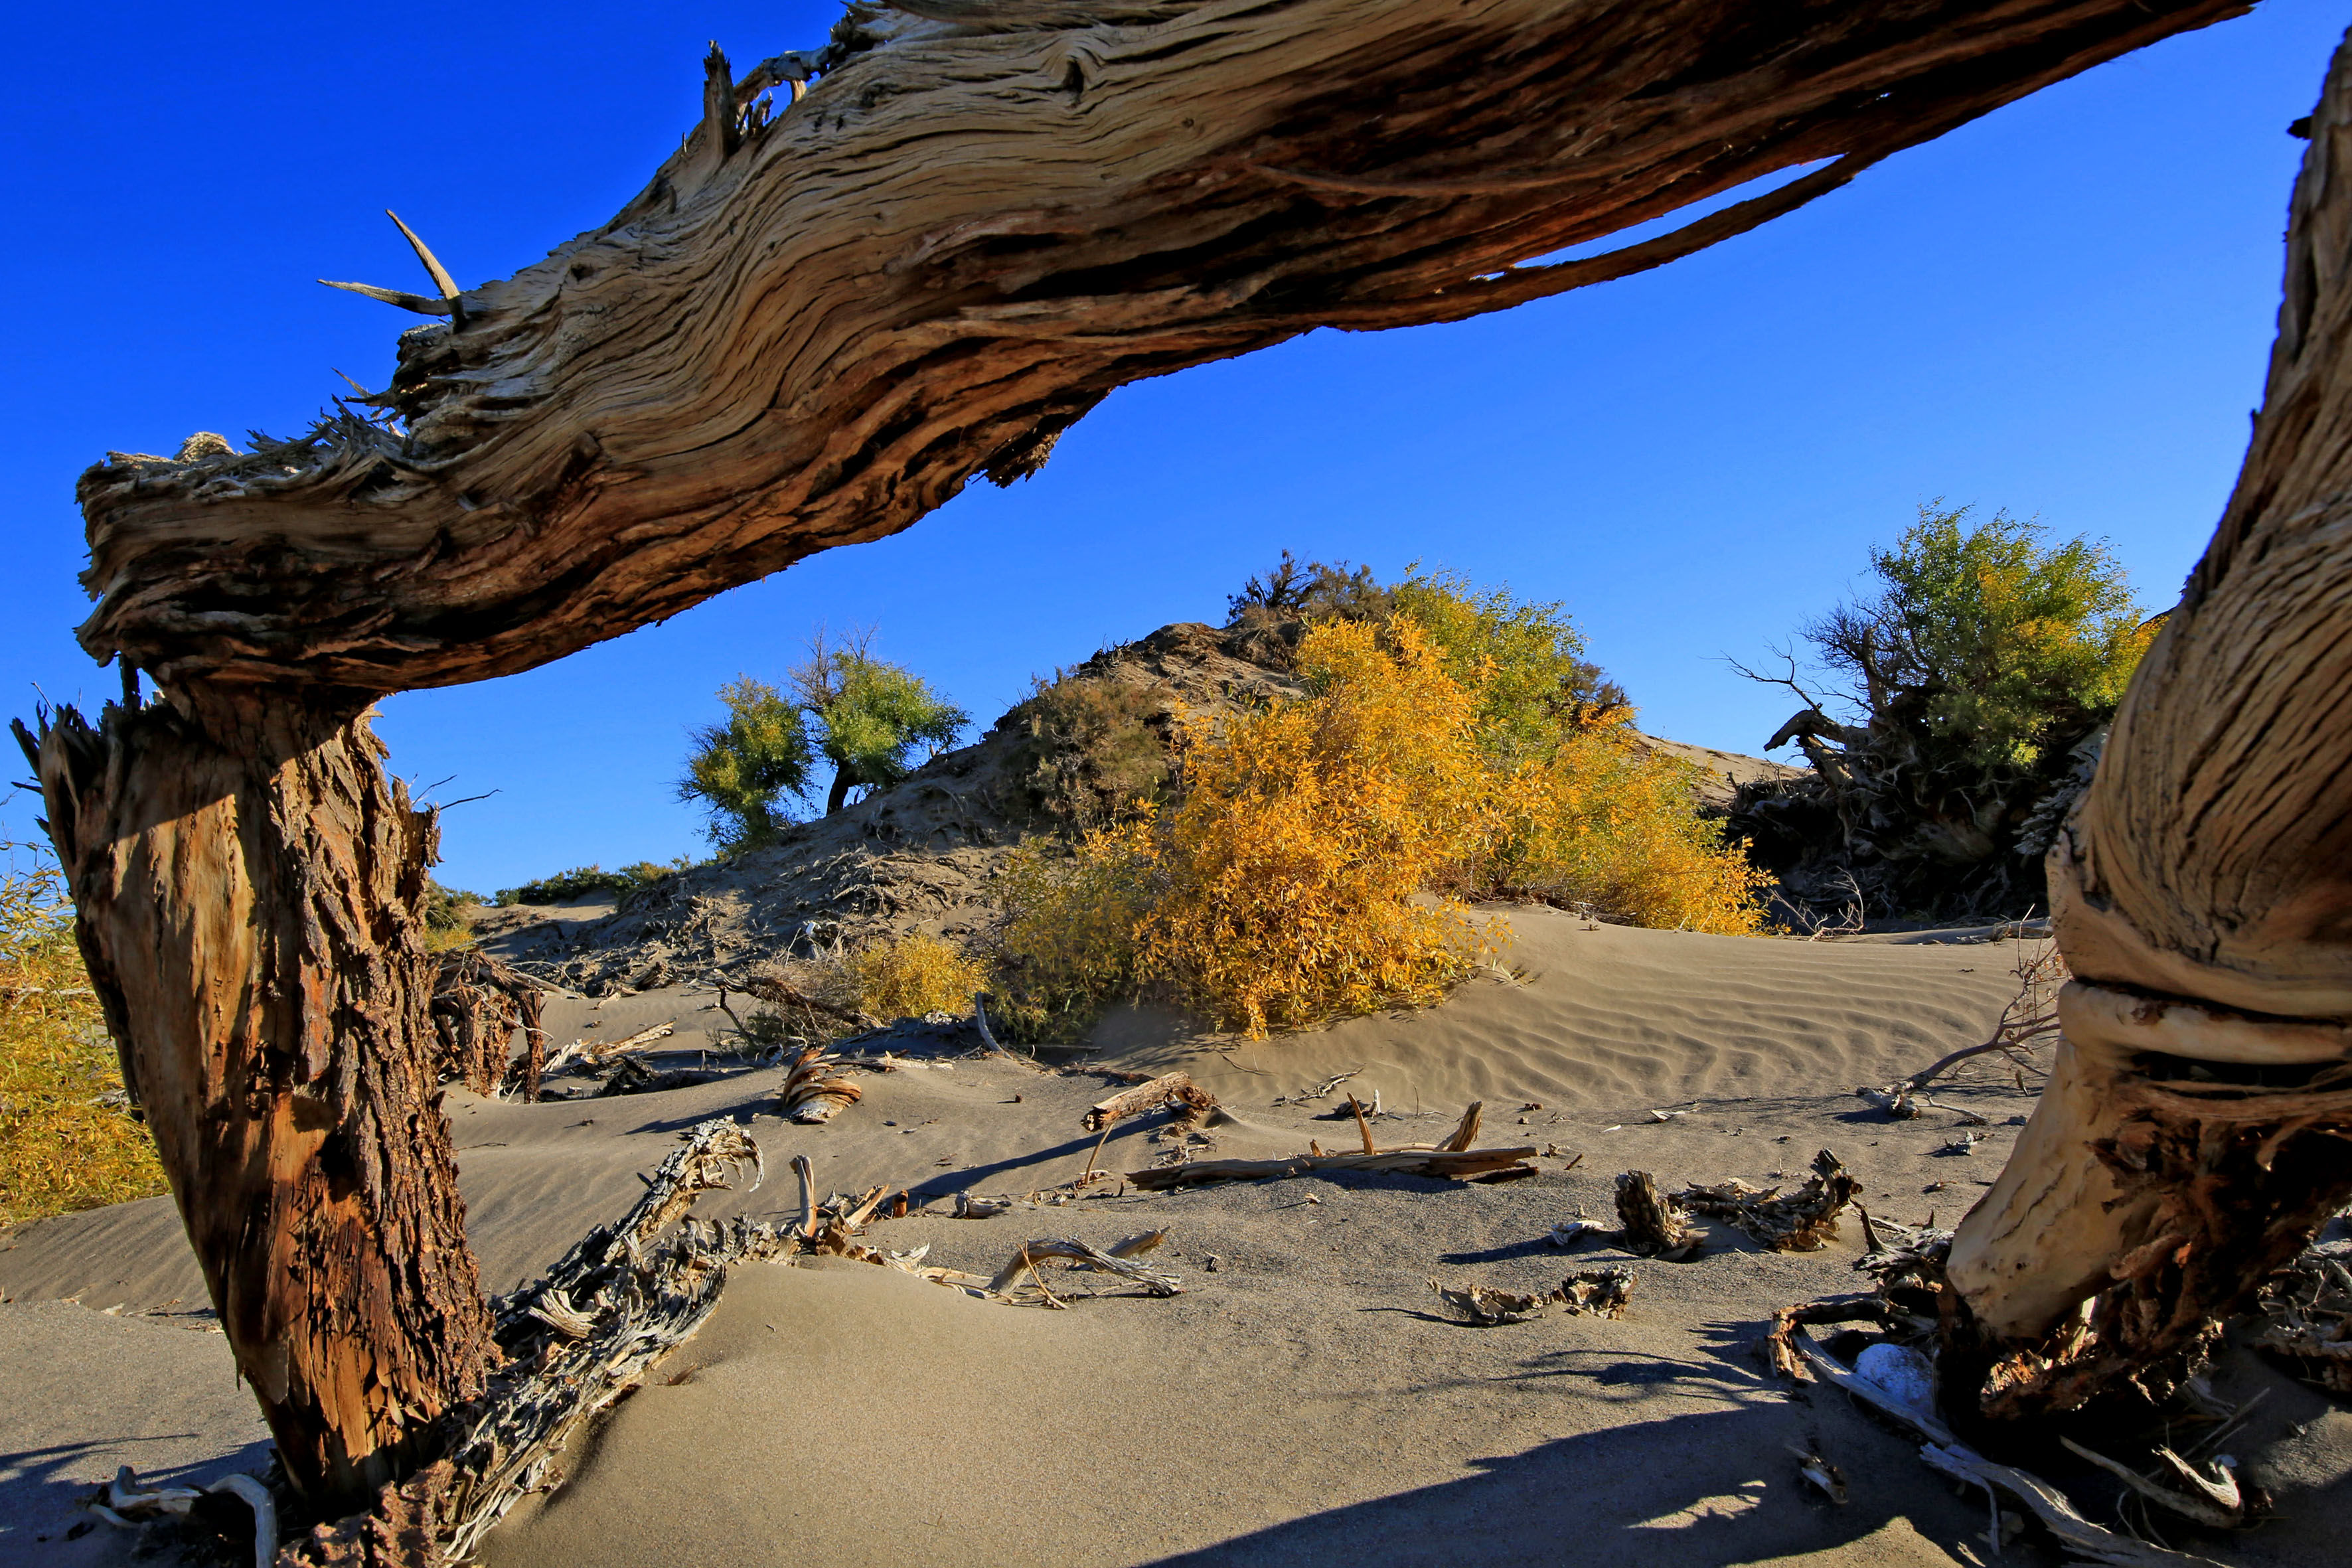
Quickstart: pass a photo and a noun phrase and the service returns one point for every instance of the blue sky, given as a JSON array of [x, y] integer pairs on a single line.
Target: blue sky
[[2063, 308]]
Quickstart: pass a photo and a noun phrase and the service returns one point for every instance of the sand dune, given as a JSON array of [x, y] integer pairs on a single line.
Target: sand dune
[[1303, 1402]]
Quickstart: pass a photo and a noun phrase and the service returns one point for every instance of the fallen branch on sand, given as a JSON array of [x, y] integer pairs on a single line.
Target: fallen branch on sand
[[596, 1053], [810, 1096], [1458, 1165], [1654, 1226], [1167, 1088], [1803, 1222], [780, 993], [1595, 1292], [2029, 1019]]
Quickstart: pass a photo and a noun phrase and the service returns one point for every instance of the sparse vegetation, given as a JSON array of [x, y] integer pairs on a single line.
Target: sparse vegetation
[[449, 916], [1091, 750], [67, 1139], [581, 881]]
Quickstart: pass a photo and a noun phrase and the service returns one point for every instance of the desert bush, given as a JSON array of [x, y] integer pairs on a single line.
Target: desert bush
[[869, 716], [1603, 824], [1316, 861], [67, 1139], [1089, 750], [911, 975], [582, 880], [449, 916], [1978, 680]]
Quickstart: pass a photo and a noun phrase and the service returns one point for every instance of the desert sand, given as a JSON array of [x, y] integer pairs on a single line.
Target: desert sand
[[1306, 1400]]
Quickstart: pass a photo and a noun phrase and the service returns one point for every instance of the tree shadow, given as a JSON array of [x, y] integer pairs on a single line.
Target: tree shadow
[[1705, 1490]]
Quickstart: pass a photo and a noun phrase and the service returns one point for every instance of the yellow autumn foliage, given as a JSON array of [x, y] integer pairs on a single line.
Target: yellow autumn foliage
[[911, 975], [63, 1145], [1319, 856]]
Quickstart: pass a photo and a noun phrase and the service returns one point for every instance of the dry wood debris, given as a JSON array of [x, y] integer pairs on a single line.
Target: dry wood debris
[[809, 1096], [1654, 1227], [1594, 1292], [2306, 1319], [1175, 1087], [1804, 1221], [477, 1005], [1468, 1163]]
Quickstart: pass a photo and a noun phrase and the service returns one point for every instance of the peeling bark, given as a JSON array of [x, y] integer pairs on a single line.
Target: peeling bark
[[250, 889]]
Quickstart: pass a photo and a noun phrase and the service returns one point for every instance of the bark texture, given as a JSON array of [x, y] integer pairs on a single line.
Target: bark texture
[[2197, 1129], [248, 884], [816, 326]]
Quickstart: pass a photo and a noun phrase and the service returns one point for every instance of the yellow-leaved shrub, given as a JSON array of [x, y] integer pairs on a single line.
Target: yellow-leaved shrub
[[65, 1142], [913, 975], [1317, 859]]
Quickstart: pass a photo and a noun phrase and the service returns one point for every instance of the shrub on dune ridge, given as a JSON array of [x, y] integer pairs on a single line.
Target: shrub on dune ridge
[[1318, 860], [912, 975]]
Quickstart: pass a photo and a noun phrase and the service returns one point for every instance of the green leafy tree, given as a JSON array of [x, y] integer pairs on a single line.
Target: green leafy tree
[[741, 770], [1978, 679], [869, 717]]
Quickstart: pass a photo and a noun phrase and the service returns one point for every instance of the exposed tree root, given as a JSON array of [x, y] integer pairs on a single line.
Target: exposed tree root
[[809, 1096], [1594, 1292], [1173, 1088], [1654, 1226], [1458, 1165], [479, 1003]]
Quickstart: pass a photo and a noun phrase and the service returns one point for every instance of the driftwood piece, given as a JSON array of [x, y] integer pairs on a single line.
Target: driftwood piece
[[1112, 1261], [1461, 1165], [1465, 1131], [2215, 1500], [1653, 1225], [1804, 1221], [809, 1096], [1594, 1292], [1174, 1087]]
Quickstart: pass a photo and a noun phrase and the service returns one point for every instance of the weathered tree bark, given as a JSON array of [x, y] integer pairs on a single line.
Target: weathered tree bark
[[2197, 1129], [812, 328], [248, 885]]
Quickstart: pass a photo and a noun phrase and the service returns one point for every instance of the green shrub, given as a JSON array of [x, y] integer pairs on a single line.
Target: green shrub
[[741, 770], [582, 880]]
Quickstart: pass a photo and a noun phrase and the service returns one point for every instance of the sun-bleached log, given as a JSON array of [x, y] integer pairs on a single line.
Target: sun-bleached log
[[2197, 1127]]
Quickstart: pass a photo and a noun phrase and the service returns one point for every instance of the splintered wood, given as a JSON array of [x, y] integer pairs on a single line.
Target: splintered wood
[[1595, 1292], [1169, 1089], [1653, 1225], [477, 1005], [1804, 1221], [2307, 1319], [809, 1096]]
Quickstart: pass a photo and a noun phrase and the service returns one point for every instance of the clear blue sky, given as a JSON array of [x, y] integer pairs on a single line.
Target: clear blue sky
[[2063, 308]]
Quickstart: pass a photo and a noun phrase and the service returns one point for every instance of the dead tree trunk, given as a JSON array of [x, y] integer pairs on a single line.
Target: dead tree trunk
[[2198, 1127], [248, 884], [820, 319]]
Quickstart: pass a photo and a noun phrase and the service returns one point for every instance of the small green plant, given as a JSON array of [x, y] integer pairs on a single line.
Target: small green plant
[[67, 1139], [581, 881]]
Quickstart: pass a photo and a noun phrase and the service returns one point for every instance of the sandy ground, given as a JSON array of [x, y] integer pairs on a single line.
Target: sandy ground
[[1305, 1401]]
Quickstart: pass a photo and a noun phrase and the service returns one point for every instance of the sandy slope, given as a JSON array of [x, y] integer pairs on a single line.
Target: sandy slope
[[1302, 1403]]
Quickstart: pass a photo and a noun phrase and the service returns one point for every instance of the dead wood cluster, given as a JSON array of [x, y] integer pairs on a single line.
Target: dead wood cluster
[[2029, 1021], [1804, 1221], [1653, 1224], [2307, 1319], [1593, 1292], [479, 1003]]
